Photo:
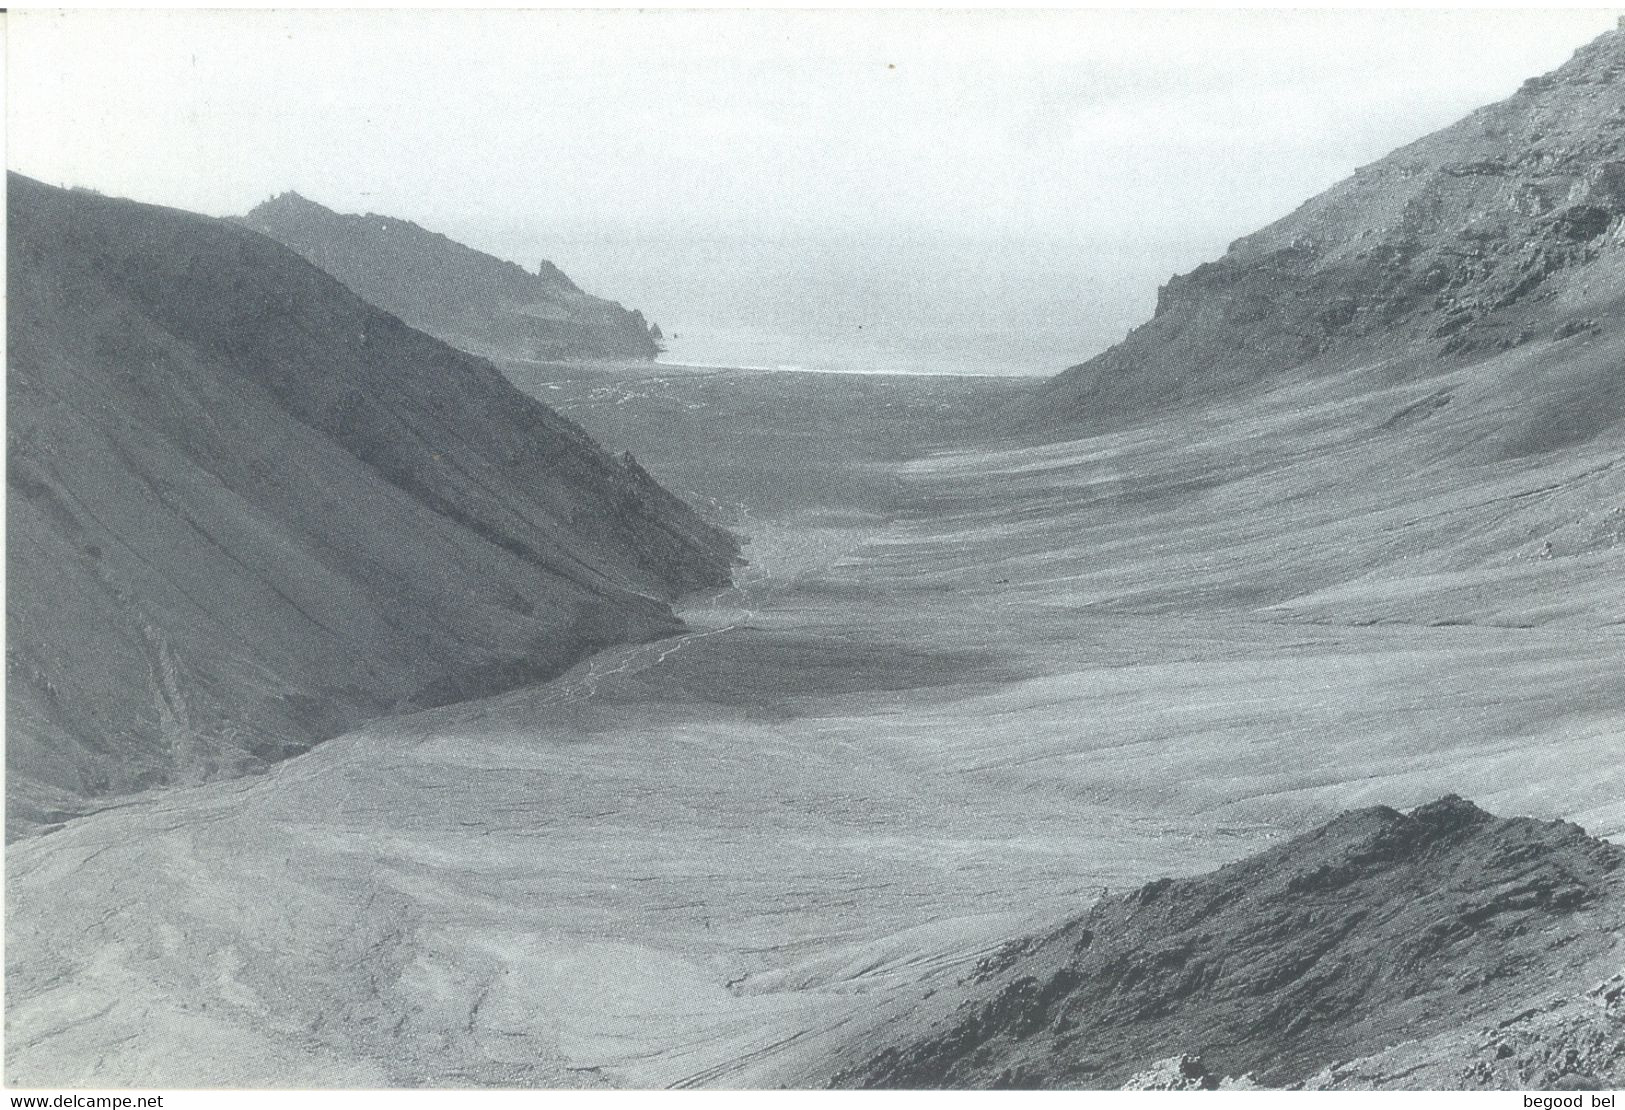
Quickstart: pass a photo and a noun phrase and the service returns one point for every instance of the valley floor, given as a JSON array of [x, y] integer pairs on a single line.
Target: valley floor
[[957, 692]]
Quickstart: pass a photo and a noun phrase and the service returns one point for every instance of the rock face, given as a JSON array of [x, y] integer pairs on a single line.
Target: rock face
[[469, 299], [248, 509], [1378, 928], [1503, 229]]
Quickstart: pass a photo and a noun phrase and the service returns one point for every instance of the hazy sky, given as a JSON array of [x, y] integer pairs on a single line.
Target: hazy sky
[[1058, 123], [516, 130]]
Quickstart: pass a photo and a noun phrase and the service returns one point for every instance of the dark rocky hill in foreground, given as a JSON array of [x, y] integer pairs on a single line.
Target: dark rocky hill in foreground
[[1502, 230], [247, 509], [1298, 964], [469, 299]]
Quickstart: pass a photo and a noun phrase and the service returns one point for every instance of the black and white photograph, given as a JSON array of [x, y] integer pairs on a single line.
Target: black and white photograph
[[756, 549]]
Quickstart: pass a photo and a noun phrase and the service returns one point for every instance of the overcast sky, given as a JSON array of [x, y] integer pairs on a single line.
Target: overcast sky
[[1059, 124], [960, 182]]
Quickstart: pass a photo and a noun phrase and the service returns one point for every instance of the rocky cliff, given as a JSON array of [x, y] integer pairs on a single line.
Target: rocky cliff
[[469, 299], [248, 509], [1501, 230], [1445, 928]]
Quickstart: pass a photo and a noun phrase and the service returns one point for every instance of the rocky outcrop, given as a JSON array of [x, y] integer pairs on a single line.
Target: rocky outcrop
[[1379, 928], [1557, 1041], [248, 509], [1185, 1073], [1501, 230], [469, 299]]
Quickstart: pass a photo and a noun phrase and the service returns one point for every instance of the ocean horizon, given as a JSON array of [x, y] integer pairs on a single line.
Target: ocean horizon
[[886, 305]]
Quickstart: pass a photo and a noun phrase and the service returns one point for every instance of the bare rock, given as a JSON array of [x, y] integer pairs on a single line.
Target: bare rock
[[1378, 929]]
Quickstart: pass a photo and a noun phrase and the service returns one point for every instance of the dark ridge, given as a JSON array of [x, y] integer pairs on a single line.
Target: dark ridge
[[1376, 928]]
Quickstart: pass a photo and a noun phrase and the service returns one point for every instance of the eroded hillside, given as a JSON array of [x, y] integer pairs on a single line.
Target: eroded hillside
[[248, 510], [1501, 230]]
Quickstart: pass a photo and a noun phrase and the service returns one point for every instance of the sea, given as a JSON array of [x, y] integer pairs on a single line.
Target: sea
[[852, 304]]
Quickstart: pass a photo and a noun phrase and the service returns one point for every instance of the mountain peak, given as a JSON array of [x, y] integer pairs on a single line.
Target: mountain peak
[[290, 202]]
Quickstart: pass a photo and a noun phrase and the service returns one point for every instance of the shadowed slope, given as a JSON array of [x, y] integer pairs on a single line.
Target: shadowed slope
[[248, 509]]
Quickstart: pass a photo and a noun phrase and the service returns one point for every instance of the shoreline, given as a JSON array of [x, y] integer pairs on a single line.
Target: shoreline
[[633, 365]]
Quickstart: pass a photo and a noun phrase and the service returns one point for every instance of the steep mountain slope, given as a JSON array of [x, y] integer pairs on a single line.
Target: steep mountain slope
[[1376, 928], [469, 299], [247, 510], [1502, 229]]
